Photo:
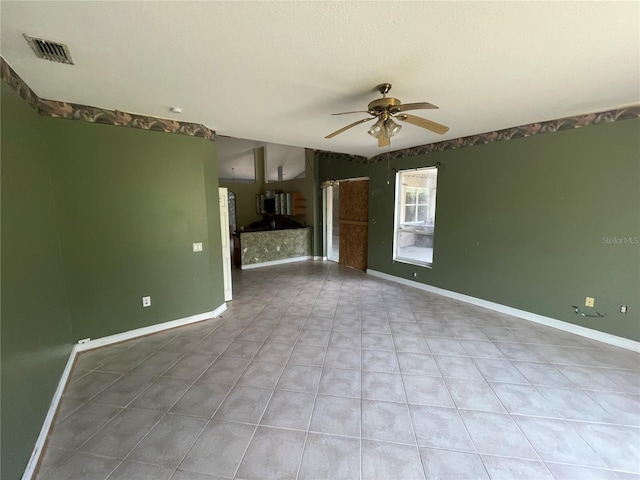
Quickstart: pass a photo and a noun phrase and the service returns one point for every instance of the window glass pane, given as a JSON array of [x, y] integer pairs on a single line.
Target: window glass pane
[[414, 246], [423, 214], [415, 227], [409, 214]]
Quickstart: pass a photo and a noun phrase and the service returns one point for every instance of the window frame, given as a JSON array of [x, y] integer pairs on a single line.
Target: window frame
[[400, 211]]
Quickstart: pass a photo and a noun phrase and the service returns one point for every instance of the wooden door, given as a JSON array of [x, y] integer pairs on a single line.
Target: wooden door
[[353, 220]]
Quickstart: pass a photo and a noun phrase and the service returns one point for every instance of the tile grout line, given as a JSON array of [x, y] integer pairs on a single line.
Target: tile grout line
[[121, 409], [266, 406], [208, 422], [164, 415], [363, 291], [315, 398], [413, 428]]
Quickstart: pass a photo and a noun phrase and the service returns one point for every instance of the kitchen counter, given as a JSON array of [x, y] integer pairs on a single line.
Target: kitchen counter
[[259, 248]]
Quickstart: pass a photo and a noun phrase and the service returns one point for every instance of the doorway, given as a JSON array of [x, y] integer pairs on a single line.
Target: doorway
[[223, 198], [347, 214], [332, 234]]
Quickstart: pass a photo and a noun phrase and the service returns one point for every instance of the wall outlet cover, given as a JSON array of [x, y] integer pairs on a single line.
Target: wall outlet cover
[[146, 301], [197, 247], [589, 302], [624, 309]]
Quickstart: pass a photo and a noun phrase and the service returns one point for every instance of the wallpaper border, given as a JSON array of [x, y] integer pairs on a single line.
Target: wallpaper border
[[522, 131], [105, 116]]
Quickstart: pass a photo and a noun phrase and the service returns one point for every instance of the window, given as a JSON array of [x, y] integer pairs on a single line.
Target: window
[[415, 216]]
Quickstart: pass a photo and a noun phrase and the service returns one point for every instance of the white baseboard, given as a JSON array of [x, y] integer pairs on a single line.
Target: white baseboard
[[140, 332], [533, 317], [48, 420], [276, 262], [319, 259], [91, 344]]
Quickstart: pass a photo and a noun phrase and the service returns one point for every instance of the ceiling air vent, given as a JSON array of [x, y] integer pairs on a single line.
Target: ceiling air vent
[[56, 52]]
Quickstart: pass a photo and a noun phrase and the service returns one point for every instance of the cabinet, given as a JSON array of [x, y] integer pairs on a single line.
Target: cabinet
[[280, 203], [297, 204]]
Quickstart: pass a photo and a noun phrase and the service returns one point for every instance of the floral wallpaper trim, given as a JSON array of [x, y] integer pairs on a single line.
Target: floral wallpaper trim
[[13, 79], [522, 131], [343, 156], [86, 113]]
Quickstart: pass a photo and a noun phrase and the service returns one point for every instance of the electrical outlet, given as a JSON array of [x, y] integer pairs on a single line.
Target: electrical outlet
[[197, 247], [589, 302], [415, 274], [624, 308], [146, 301]]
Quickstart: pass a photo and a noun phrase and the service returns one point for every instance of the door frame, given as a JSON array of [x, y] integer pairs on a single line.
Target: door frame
[[327, 203]]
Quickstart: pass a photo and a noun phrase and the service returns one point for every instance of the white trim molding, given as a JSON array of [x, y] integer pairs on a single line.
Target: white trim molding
[[276, 262], [140, 332], [533, 317], [51, 413], [90, 345]]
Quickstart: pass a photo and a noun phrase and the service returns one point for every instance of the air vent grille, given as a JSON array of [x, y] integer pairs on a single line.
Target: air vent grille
[[48, 50]]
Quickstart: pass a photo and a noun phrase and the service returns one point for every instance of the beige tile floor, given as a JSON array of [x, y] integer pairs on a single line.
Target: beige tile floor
[[320, 372]]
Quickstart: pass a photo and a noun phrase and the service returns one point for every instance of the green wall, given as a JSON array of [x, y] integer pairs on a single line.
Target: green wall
[[522, 222], [36, 316], [131, 203], [93, 218]]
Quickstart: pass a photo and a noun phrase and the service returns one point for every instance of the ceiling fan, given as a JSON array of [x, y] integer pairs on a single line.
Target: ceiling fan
[[385, 109]]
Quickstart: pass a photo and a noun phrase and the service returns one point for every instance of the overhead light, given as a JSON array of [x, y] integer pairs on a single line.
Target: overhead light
[[376, 128], [391, 128], [386, 125]]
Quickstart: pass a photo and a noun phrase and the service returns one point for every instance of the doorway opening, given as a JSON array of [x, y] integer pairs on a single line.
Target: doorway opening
[[346, 216], [332, 225]]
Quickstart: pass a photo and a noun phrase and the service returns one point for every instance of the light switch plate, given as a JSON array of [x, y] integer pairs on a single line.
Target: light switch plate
[[589, 302], [197, 247]]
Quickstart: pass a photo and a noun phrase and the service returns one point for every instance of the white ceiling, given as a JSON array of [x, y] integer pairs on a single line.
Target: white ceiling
[[275, 71]]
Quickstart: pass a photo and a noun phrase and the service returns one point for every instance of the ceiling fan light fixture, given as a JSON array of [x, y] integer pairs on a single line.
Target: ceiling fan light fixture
[[382, 109], [391, 128], [376, 128]]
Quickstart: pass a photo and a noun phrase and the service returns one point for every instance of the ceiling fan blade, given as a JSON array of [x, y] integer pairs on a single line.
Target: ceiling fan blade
[[383, 140], [337, 132], [423, 122], [413, 106], [346, 113]]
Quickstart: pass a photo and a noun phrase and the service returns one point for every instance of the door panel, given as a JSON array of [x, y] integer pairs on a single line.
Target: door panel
[[354, 217]]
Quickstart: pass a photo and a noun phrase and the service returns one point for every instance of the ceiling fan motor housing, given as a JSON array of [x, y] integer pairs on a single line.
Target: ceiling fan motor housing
[[384, 110], [381, 104]]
